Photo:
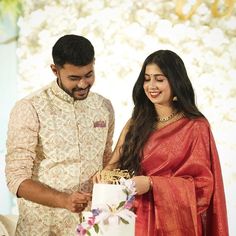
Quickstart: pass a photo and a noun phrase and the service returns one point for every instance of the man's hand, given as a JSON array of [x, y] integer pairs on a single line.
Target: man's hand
[[42, 194], [77, 202]]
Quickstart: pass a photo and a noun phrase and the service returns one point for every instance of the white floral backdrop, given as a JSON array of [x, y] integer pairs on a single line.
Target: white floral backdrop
[[124, 33]]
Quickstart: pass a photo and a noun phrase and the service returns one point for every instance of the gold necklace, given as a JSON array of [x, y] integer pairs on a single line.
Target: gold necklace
[[167, 118]]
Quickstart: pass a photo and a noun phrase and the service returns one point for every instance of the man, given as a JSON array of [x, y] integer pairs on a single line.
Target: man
[[58, 138]]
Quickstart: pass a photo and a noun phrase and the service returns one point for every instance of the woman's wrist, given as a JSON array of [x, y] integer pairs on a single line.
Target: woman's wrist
[[150, 183]]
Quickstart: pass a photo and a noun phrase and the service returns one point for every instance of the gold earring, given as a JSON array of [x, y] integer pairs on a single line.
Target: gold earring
[[175, 98]]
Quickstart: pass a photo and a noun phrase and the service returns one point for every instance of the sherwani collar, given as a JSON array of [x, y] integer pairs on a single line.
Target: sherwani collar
[[90, 101]]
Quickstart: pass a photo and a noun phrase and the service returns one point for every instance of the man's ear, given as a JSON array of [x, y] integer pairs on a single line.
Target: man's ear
[[54, 69]]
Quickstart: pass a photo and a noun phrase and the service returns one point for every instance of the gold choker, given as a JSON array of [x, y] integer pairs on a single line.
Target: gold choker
[[164, 119]]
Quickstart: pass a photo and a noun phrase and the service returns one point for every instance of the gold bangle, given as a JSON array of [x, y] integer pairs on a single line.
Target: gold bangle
[[150, 182]]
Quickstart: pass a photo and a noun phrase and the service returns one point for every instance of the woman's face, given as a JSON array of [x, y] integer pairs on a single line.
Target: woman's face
[[156, 86]]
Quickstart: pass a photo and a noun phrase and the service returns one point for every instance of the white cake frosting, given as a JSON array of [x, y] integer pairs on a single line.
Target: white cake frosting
[[112, 195], [108, 194], [107, 198]]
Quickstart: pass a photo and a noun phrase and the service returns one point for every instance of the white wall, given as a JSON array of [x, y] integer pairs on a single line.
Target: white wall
[[8, 90]]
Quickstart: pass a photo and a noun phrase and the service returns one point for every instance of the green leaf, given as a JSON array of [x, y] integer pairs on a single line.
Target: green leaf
[[125, 191], [96, 228], [13, 7], [124, 221], [88, 233], [110, 208], [121, 205]]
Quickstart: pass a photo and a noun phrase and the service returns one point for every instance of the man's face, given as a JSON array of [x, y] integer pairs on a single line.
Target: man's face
[[75, 80]]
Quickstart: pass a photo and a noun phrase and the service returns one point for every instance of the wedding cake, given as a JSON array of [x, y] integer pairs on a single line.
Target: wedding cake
[[111, 212]]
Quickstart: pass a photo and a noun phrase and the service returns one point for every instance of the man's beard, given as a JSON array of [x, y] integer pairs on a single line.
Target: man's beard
[[83, 96], [74, 90]]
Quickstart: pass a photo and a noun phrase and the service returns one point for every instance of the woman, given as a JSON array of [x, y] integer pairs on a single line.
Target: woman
[[168, 145]]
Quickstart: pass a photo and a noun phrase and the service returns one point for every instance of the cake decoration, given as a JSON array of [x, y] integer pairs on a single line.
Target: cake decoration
[[113, 214]]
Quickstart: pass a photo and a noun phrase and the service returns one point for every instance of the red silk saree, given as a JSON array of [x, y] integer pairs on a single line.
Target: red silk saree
[[187, 198]]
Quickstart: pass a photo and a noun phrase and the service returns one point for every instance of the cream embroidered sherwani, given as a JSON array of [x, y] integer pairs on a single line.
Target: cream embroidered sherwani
[[61, 143]]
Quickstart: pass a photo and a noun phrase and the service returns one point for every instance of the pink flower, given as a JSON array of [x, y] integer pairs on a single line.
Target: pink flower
[[91, 221], [81, 230], [128, 205]]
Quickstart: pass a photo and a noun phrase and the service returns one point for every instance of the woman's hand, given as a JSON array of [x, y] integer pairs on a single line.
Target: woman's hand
[[142, 184]]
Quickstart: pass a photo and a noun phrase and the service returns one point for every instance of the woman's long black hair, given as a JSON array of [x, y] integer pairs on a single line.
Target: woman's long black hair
[[144, 116]]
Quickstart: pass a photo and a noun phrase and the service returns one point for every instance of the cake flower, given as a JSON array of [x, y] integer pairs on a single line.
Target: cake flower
[[110, 214]]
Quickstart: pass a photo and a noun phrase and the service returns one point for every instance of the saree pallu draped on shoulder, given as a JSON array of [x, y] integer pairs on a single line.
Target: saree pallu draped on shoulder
[[187, 198]]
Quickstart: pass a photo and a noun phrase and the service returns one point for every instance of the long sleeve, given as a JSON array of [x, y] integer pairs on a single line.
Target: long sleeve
[[21, 143], [109, 142]]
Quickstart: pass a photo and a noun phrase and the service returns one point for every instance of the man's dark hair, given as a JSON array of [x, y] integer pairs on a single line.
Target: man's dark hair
[[72, 49]]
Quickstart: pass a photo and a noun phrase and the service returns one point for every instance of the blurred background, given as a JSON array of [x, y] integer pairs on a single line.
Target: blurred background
[[124, 33]]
